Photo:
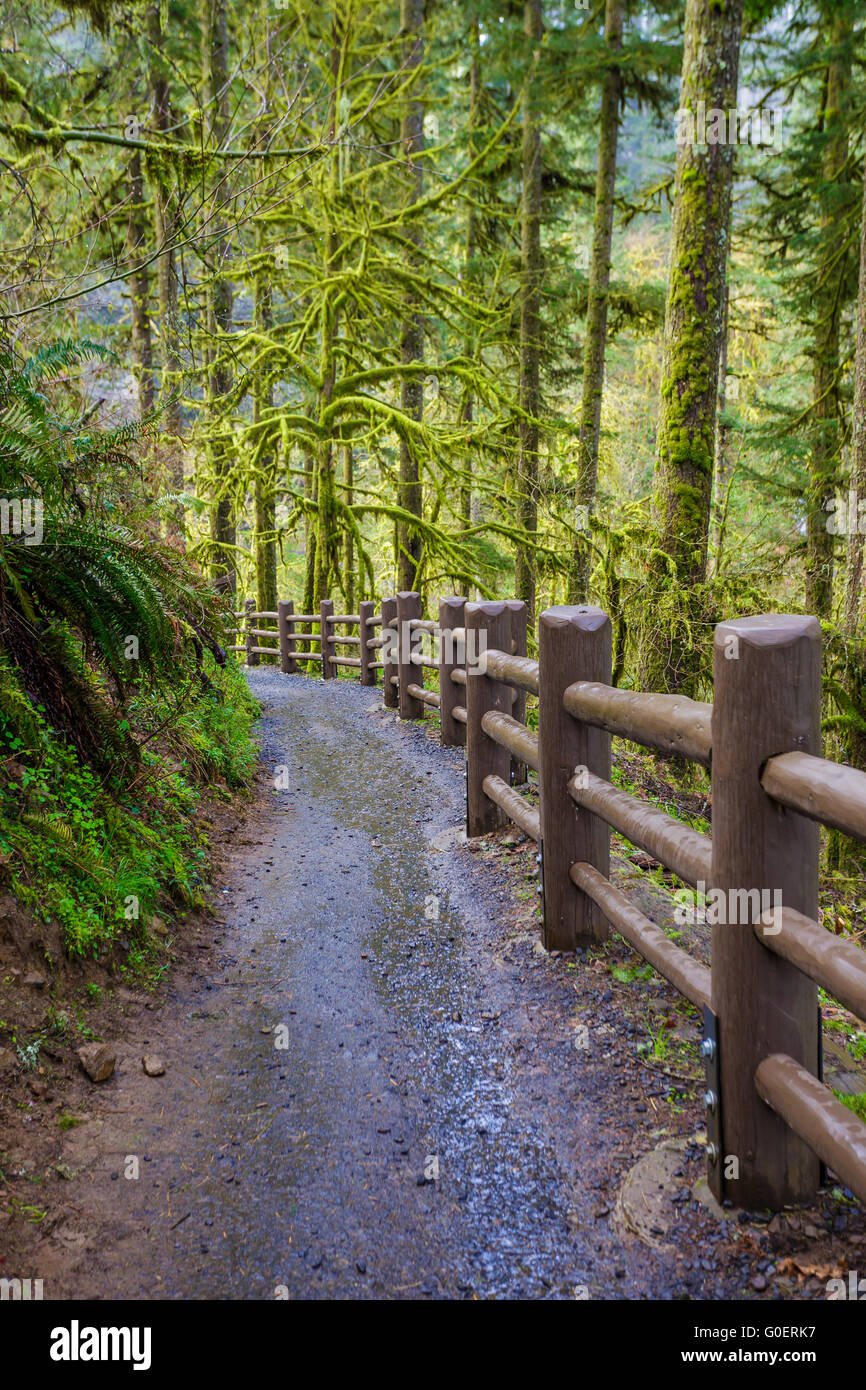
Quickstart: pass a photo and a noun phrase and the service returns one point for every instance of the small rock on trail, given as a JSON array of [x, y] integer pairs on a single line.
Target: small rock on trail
[[98, 1060]]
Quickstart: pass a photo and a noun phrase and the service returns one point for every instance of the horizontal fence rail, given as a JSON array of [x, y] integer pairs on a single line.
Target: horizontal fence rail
[[668, 723], [770, 1118], [827, 792], [514, 805], [685, 973], [828, 1128], [836, 965], [685, 852]]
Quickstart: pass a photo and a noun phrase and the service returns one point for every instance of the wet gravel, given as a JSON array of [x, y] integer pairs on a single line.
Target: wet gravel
[[374, 1088], [396, 1135]]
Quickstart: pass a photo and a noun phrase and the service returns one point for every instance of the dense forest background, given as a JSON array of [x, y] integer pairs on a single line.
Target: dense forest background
[[561, 301]]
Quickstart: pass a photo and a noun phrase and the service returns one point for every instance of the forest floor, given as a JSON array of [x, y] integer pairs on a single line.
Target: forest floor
[[378, 1084]]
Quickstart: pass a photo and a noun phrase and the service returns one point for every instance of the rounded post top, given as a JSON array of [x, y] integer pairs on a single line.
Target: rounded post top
[[487, 608], [583, 616], [768, 630], [408, 593], [452, 601]]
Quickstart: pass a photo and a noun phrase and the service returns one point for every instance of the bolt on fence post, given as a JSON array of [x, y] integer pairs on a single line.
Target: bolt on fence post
[[451, 612], [518, 702], [488, 628], [389, 651], [368, 667], [285, 609], [326, 610], [574, 644], [408, 607], [250, 608], [767, 700]]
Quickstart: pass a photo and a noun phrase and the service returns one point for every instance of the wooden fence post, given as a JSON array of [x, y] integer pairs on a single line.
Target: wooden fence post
[[767, 700], [574, 644], [285, 609], [326, 609], [488, 628], [249, 609], [450, 694], [408, 607], [368, 654], [518, 701], [389, 651]]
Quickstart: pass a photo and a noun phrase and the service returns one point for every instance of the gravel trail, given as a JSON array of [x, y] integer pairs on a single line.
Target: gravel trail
[[374, 1089]]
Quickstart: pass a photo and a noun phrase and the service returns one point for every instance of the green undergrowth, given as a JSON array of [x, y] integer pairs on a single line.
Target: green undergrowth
[[856, 1103], [101, 854]]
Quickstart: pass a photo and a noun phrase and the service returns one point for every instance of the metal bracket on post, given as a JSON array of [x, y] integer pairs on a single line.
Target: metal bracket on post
[[823, 1167], [713, 1104], [539, 859]]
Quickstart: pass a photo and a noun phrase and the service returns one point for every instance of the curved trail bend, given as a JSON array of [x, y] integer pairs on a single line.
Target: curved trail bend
[[367, 1021]]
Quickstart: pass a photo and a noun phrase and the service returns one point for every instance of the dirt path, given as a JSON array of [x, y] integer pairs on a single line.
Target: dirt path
[[372, 1012]]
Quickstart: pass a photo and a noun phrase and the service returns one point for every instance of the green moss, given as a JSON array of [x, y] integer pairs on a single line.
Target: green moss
[[856, 1103], [101, 859]]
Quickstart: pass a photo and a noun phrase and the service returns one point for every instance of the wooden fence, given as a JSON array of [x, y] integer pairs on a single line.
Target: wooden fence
[[770, 1120]]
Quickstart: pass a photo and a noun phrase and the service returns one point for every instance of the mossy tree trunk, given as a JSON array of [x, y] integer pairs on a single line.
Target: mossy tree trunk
[[327, 553], [694, 317], [348, 537], [219, 291], [327, 535], [309, 530], [530, 315], [265, 482], [824, 464], [410, 492], [842, 852], [855, 599], [470, 271], [722, 469], [310, 525], [165, 230], [139, 287], [264, 496], [599, 289]]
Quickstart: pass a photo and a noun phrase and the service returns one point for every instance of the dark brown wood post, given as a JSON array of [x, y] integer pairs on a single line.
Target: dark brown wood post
[[368, 654], [451, 657], [389, 651], [767, 673], [518, 704], [285, 609], [574, 644], [408, 607], [488, 628], [326, 610], [249, 609]]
